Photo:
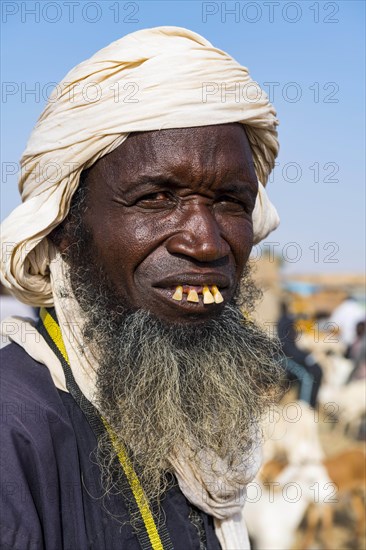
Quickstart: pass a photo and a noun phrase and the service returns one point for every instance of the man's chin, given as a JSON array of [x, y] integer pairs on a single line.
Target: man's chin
[[188, 318], [170, 319]]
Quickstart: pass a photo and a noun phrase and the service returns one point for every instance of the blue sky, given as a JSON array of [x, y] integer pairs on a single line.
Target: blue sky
[[308, 55]]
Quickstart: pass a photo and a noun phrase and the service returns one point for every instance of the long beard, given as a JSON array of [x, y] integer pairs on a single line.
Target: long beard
[[162, 386]]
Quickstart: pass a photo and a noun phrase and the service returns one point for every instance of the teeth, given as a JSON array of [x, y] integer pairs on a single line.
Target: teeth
[[207, 296], [192, 296], [178, 294], [217, 295]]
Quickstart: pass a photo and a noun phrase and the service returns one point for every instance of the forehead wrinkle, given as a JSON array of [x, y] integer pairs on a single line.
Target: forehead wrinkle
[[182, 164], [198, 158], [221, 159], [202, 166]]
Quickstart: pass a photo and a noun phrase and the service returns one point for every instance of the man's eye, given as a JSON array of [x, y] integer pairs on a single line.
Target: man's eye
[[157, 199], [232, 203]]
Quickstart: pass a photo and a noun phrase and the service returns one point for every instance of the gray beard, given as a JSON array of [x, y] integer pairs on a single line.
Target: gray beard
[[162, 386]]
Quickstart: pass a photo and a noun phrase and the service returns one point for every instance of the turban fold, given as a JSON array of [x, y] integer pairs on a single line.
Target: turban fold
[[152, 79]]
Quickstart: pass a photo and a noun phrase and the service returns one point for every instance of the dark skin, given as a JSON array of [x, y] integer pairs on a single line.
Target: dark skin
[[173, 207]]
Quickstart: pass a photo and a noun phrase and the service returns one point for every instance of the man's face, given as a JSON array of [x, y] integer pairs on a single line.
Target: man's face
[[173, 208], [165, 209]]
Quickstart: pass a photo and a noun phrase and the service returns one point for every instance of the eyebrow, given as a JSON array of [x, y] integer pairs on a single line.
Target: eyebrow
[[148, 181], [238, 187]]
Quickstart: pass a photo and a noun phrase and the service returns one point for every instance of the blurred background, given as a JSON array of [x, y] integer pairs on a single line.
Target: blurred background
[[309, 58]]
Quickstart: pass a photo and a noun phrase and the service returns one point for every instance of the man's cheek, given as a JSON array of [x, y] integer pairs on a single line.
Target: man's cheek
[[141, 227], [242, 241]]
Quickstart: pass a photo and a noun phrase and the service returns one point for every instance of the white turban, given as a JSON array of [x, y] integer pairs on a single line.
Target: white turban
[[165, 77]]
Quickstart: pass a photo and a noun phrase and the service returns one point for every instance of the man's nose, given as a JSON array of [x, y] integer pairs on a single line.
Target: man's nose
[[198, 236]]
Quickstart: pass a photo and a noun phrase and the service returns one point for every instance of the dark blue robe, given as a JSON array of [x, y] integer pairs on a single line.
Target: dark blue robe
[[51, 495]]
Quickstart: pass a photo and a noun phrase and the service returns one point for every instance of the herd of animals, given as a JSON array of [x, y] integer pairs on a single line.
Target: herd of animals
[[313, 468]]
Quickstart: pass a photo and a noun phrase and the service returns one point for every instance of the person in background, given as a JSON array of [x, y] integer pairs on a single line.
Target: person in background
[[357, 352], [346, 316], [300, 365]]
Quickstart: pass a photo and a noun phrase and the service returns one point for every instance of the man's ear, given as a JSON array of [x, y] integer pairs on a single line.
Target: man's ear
[[63, 235], [64, 244], [60, 237]]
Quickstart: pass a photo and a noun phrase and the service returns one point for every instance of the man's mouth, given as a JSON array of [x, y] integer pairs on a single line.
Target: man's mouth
[[197, 289], [208, 295]]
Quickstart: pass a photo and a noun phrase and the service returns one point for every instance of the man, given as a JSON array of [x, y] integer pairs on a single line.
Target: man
[[132, 407]]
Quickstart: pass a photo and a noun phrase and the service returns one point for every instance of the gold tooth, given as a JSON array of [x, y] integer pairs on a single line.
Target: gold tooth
[[217, 295], [178, 294], [192, 296], [207, 296]]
